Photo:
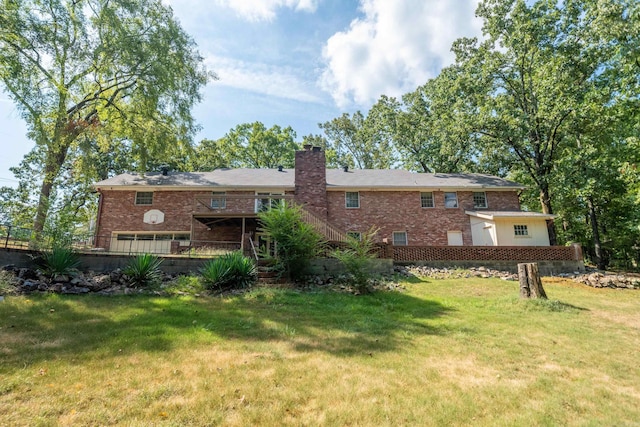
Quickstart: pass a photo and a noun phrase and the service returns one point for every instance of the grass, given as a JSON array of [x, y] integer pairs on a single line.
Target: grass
[[445, 352]]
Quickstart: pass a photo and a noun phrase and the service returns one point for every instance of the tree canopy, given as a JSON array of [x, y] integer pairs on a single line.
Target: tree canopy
[[248, 145], [109, 71]]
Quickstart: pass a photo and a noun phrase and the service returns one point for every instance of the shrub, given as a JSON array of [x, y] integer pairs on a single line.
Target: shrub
[[59, 260], [297, 242], [230, 271], [8, 283], [144, 270], [356, 258]]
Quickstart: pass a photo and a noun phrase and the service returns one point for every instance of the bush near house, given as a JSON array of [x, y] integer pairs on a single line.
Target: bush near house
[[60, 260], [356, 258], [297, 242], [144, 270], [230, 271]]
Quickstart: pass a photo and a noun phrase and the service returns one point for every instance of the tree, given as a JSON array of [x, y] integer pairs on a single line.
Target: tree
[[297, 242], [359, 142], [428, 127], [357, 257], [110, 70], [540, 64], [249, 145]]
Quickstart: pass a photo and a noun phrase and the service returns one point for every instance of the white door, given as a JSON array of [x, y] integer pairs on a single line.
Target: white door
[[454, 238]]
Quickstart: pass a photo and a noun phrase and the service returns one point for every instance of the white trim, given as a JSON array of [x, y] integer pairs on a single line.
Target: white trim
[[406, 238], [346, 200], [492, 215]]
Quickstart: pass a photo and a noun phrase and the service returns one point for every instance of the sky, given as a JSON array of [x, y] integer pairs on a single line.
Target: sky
[[298, 62]]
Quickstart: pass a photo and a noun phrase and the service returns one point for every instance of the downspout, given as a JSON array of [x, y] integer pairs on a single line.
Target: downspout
[[96, 235]]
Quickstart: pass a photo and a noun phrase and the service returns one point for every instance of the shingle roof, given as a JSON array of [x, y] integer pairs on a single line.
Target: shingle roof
[[285, 179], [491, 215]]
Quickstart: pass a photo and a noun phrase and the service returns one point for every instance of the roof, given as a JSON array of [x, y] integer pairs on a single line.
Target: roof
[[381, 179], [491, 215]]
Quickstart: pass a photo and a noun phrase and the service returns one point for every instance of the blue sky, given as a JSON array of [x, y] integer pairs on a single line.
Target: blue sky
[[299, 62]]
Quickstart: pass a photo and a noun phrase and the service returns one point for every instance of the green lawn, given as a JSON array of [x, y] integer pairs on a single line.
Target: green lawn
[[444, 352]]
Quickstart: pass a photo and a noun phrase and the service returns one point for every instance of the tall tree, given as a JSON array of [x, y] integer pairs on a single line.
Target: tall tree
[[538, 65], [428, 127], [96, 68], [249, 145], [360, 142]]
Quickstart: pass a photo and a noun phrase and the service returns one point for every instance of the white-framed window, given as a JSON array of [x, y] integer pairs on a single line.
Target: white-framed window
[[521, 230], [153, 236], [218, 200], [355, 235], [426, 200], [144, 198], [451, 200], [479, 200], [400, 238], [352, 199], [266, 201]]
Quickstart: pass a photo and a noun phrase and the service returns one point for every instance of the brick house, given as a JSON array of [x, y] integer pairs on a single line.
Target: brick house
[[169, 212]]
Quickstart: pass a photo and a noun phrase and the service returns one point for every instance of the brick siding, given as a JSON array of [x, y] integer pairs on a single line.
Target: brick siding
[[401, 211], [485, 253], [311, 180]]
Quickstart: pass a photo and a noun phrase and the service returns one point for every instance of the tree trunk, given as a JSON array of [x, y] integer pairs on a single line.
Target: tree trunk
[[545, 201], [530, 283], [597, 245], [53, 163]]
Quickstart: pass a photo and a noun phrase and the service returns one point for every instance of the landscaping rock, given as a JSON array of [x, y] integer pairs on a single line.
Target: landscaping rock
[[609, 280], [27, 274], [61, 278], [74, 290], [100, 282], [116, 275], [29, 286]]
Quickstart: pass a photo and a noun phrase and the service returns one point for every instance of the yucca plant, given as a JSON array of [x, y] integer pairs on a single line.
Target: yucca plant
[[230, 271], [144, 270], [59, 260]]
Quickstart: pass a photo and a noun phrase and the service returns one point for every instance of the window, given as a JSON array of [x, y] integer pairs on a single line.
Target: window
[[399, 238], [152, 236], [426, 200], [266, 201], [450, 200], [520, 230], [479, 200], [144, 197], [218, 200], [352, 199], [355, 234]]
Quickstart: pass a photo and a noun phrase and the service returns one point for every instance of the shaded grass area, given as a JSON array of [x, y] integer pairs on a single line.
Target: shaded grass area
[[445, 352]]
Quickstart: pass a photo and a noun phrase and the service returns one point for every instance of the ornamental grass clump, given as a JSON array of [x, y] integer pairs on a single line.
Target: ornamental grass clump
[[356, 258], [60, 260], [144, 270], [230, 271]]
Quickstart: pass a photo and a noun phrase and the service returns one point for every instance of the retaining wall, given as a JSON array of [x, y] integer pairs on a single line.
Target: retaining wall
[[565, 262]]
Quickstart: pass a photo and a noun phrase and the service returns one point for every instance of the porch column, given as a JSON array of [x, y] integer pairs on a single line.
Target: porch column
[[243, 231]]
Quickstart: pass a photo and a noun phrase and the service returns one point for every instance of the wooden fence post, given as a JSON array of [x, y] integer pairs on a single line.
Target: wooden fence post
[[530, 283]]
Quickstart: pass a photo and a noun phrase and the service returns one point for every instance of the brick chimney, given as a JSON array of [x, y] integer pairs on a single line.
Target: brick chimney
[[311, 180]]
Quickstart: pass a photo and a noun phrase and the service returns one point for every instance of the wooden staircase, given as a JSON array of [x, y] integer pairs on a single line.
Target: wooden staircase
[[322, 226], [266, 274]]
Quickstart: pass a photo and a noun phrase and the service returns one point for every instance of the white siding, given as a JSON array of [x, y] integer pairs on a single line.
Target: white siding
[[483, 232], [537, 230]]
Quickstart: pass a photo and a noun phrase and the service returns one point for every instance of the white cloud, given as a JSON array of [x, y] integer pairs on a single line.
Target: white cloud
[[265, 10], [278, 81], [394, 48]]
